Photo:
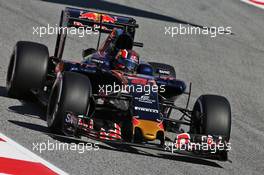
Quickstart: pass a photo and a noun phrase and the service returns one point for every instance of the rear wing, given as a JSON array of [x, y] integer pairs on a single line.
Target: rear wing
[[85, 18], [102, 22]]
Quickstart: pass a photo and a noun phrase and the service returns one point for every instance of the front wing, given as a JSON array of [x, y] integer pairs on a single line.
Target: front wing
[[183, 143]]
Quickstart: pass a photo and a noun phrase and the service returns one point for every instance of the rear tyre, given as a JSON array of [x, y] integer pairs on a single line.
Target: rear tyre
[[27, 68], [164, 67], [212, 116], [70, 93]]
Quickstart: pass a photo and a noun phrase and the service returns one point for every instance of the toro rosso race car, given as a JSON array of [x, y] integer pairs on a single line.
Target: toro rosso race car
[[113, 96]]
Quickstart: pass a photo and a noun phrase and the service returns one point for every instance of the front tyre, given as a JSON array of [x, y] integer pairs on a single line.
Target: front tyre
[[212, 116], [71, 92]]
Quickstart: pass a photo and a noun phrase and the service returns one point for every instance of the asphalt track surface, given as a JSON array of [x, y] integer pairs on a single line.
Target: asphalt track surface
[[230, 65]]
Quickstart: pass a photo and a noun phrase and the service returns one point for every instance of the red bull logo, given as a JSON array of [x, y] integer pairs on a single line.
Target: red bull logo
[[97, 17], [89, 15], [108, 19]]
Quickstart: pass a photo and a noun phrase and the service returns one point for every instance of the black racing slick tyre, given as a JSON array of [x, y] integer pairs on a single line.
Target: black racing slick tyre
[[71, 92], [163, 67], [212, 116], [27, 68]]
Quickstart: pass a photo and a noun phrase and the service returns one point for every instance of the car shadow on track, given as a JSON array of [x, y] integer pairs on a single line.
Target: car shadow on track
[[168, 156], [27, 107], [34, 127], [120, 147], [121, 9]]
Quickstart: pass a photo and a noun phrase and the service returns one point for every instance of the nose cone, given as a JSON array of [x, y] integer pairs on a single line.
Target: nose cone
[[149, 128]]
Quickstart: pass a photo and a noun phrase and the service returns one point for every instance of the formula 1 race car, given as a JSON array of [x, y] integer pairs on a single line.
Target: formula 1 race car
[[111, 95]]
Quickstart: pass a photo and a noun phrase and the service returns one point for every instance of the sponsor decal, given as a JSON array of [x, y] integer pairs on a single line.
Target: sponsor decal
[[89, 15], [145, 99], [97, 61], [139, 81], [164, 72], [96, 17], [71, 119], [146, 109]]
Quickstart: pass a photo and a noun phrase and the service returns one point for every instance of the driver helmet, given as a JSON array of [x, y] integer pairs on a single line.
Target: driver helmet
[[126, 60]]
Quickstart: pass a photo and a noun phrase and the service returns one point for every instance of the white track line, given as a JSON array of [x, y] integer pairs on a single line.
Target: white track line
[[10, 150], [256, 3]]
